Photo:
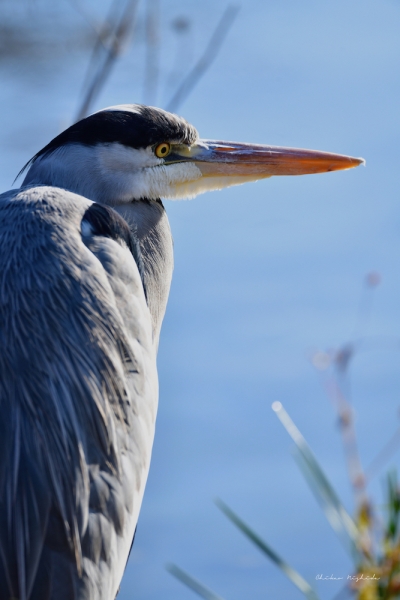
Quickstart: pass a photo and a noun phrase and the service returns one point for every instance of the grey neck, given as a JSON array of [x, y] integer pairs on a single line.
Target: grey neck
[[150, 222], [78, 170]]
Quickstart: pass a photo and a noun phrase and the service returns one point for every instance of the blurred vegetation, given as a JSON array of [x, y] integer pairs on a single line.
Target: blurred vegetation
[[37, 31], [29, 31], [372, 536], [377, 575]]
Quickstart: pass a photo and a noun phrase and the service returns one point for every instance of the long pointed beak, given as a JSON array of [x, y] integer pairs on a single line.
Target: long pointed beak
[[213, 165], [216, 158]]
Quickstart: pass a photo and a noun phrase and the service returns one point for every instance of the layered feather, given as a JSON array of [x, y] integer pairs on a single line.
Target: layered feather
[[78, 399]]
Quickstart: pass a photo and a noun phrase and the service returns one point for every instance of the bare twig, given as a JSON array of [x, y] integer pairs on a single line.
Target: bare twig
[[97, 28], [210, 54], [152, 51], [349, 438], [105, 36], [340, 389], [118, 40], [290, 573], [181, 26], [371, 282], [193, 584], [384, 455], [334, 510]]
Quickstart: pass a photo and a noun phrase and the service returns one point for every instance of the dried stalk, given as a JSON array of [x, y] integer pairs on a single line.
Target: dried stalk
[[206, 60]]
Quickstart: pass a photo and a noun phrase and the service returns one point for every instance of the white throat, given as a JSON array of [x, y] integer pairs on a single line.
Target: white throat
[[111, 174]]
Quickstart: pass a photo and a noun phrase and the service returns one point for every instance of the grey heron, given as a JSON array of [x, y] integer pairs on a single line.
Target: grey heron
[[86, 265]]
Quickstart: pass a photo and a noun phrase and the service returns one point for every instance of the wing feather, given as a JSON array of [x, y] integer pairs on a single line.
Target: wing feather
[[78, 398]]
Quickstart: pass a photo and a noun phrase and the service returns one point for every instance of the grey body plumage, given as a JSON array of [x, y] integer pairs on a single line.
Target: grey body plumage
[[78, 362], [86, 262]]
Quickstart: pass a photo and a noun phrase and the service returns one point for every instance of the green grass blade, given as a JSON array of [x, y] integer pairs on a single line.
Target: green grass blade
[[193, 584], [294, 577], [338, 517]]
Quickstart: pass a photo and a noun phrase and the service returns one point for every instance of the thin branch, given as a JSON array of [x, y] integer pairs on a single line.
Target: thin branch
[[349, 439], [334, 510], [204, 63], [371, 282], [383, 456], [193, 584], [290, 573], [152, 51], [118, 42], [105, 36], [98, 29]]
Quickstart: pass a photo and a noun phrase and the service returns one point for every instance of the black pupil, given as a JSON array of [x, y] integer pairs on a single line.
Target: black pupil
[[163, 150]]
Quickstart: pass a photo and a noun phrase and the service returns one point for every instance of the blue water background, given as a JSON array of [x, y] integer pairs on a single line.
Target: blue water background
[[265, 273]]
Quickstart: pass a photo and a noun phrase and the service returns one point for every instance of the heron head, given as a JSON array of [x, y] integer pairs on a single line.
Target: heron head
[[132, 152]]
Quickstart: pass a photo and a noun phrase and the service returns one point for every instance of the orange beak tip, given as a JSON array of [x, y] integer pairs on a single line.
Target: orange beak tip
[[357, 162]]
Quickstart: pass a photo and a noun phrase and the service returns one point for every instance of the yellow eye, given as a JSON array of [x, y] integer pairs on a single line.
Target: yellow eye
[[162, 150]]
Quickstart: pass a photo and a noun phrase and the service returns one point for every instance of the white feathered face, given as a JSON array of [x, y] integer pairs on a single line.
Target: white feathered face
[[132, 152]]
